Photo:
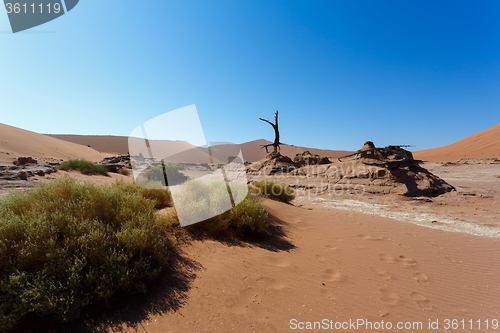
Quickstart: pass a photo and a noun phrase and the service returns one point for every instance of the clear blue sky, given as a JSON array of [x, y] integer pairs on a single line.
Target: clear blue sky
[[425, 73]]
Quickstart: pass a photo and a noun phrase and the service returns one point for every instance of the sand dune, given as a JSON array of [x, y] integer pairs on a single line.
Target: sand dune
[[485, 144], [117, 145], [251, 150], [16, 142]]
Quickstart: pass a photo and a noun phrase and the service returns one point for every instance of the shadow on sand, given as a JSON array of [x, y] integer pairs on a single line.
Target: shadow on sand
[[167, 294], [275, 240]]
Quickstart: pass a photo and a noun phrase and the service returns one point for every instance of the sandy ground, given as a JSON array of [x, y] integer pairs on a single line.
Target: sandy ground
[[326, 264]]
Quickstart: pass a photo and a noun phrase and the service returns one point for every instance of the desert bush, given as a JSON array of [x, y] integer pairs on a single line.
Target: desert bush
[[159, 174], [64, 246], [197, 199], [85, 167], [151, 190], [271, 189], [124, 172]]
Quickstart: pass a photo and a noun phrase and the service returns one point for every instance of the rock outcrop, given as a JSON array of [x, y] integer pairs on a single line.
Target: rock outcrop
[[16, 175], [25, 160], [272, 164], [383, 171], [390, 157], [306, 158], [116, 163]]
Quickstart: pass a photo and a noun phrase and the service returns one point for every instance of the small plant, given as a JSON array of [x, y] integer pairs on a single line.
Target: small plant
[[197, 197], [85, 167], [152, 191], [65, 245], [169, 173], [124, 172], [271, 189]]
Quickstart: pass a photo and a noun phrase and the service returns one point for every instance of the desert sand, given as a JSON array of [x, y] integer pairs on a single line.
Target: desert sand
[[103, 143], [485, 144], [325, 264], [250, 150], [16, 142], [330, 260]]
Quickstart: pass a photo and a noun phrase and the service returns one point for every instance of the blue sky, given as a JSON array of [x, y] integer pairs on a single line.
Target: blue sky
[[425, 73]]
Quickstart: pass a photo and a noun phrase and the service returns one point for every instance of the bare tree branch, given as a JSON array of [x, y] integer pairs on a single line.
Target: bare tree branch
[[276, 143]]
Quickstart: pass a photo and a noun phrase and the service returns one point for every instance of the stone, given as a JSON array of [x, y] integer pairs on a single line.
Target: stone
[[116, 163], [307, 158], [274, 163], [25, 160]]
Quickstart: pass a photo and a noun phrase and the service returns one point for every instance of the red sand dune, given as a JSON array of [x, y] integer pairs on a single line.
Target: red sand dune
[[485, 144], [16, 142], [251, 151], [104, 143]]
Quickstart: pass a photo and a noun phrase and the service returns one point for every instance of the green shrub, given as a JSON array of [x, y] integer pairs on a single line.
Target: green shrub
[[85, 167], [271, 189], [247, 216], [64, 246], [153, 191], [159, 174]]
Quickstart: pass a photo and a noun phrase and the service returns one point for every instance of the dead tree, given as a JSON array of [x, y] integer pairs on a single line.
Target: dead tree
[[276, 144]]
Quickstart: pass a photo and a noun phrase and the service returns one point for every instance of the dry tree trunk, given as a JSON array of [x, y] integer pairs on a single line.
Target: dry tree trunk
[[276, 144]]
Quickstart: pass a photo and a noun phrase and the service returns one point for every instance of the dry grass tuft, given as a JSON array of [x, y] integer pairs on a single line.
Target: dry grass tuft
[[85, 167], [124, 172], [271, 189]]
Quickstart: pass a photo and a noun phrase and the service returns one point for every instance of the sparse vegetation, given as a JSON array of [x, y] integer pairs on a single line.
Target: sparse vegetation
[[152, 191], [64, 246], [271, 189], [85, 167], [159, 174], [124, 172], [247, 216]]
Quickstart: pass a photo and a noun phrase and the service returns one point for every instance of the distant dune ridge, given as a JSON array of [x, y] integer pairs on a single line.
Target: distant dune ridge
[[485, 144], [16, 142], [103, 143], [251, 151]]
